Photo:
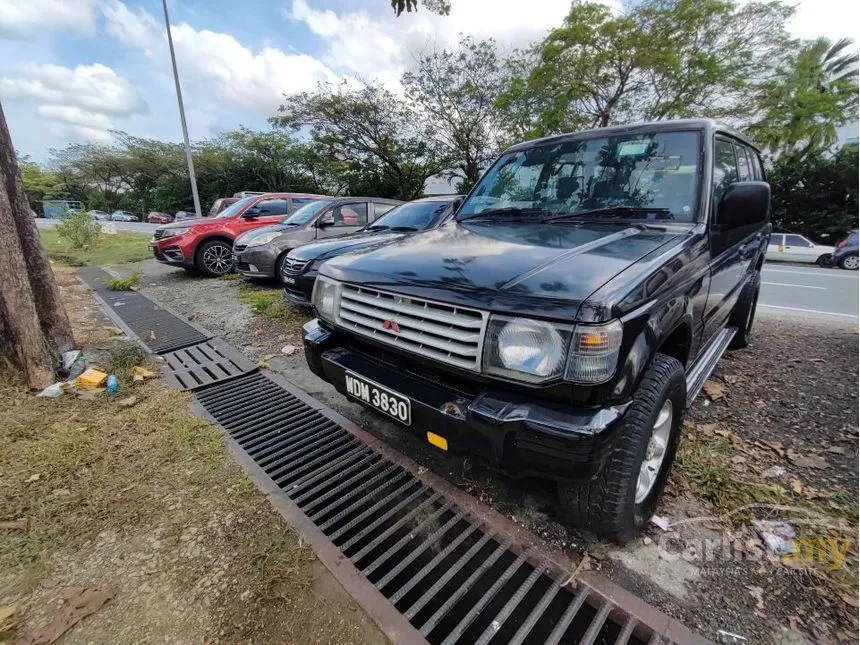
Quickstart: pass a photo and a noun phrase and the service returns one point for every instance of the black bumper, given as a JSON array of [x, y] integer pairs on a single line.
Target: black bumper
[[171, 255], [300, 290], [515, 434]]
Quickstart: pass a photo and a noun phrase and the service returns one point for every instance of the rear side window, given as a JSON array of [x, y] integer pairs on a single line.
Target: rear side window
[[725, 168], [298, 202], [381, 209], [354, 214], [755, 162], [273, 207], [796, 240], [745, 171]]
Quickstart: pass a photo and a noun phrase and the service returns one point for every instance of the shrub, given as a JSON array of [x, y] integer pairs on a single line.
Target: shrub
[[79, 229], [128, 283]]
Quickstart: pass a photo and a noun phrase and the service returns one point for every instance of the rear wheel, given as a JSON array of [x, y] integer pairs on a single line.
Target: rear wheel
[[621, 498], [214, 258], [849, 263], [743, 315], [824, 260]]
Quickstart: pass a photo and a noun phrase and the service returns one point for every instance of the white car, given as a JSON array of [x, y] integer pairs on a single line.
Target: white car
[[788, 247]]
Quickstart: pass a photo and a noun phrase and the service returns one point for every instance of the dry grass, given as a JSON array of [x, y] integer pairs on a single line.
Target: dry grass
[[117, 248], [269, 303]]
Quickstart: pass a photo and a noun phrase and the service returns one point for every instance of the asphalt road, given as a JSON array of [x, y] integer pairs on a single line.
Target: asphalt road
[[133, 227], [809, 292]]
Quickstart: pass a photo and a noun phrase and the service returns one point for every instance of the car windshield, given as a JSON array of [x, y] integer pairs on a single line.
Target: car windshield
[[305, 213], [233, 209], [628, 175], [413, 216]]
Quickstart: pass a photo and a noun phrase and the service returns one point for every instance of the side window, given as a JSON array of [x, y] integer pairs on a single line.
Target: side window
[[744, 166], [381, 209], [298, 202], [797, 240], [755, 162], [272, 207], [725, 168], [354, 214], [775, 240]]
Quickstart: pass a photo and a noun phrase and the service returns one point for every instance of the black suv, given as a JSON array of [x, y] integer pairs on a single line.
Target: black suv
[[562, 324]]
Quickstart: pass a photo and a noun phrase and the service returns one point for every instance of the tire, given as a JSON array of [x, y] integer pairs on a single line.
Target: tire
[[279, 264], [611, 504], [214, 258], [824, 260], [743, 315], [849, 262]]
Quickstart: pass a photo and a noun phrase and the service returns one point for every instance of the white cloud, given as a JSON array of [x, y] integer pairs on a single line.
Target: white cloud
[[19, 18], [137, 29], [84, 98]]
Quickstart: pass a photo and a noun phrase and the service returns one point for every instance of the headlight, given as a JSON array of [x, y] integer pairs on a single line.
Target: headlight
[[262, 238], [525, 349], [325, 296], [173, 232], [536, 351]]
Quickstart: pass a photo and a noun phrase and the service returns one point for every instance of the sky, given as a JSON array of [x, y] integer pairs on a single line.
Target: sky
[[72, 70]]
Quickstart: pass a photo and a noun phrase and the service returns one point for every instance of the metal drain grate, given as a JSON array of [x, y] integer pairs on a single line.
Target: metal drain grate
[[204, 364], [456, 577], [157, 327]]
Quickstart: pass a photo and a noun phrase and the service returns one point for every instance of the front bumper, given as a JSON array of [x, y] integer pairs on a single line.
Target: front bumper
[[300, 290], [171, 254], [514, 433], [256, 261]]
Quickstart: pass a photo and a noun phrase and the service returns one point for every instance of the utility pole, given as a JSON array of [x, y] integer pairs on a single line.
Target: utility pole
[[188, 156]]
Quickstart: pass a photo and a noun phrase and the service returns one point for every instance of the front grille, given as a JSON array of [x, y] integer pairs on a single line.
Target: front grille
[[293, 266], [238, 248], [440, 331]]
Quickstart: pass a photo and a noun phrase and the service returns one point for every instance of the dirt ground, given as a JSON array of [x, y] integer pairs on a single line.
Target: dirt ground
[[780, 434], [134, 499]]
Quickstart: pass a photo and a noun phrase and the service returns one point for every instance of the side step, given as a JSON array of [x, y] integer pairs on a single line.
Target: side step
[[707, 361]]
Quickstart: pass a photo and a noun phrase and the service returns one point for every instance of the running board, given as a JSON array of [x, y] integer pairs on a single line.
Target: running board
[[707, 361]]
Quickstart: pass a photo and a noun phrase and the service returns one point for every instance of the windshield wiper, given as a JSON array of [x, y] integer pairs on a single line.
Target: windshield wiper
[[509, 211], [377, 227], [613, 212], [403, 229]]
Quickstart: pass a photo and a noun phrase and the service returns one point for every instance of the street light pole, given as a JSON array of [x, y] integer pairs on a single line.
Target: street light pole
[[188, 156]]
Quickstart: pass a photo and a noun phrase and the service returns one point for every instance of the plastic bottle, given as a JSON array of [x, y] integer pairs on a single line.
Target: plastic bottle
[[112, 384]]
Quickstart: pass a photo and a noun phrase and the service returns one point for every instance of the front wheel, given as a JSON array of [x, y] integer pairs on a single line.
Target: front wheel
[[849, 263], [621, 498], [214, 258]]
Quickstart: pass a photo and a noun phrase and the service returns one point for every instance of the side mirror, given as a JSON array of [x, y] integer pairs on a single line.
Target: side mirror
[[324, 222], [743, 204], [251, 213]]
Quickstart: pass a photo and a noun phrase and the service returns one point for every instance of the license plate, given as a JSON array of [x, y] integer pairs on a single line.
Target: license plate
[[288, 280], [380, 398]]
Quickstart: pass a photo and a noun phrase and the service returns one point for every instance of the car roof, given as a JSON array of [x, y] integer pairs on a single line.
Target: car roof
[[708, 125], [438, 198], [270, 195]]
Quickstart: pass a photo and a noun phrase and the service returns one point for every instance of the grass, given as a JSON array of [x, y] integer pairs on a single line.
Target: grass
[[117, 248], [269, 303], [127, 283]]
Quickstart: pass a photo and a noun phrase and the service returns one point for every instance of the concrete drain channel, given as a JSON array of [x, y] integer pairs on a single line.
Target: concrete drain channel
[[425, 560]]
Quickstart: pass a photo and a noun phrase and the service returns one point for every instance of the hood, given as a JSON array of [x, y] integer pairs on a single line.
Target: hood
[[191, 221], [504, 266], [348, 243], [273, 228]]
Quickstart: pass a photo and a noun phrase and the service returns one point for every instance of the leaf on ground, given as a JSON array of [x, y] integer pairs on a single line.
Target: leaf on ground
[[127, 402], [116, 331], [708, 429], [152, 335], [758, 594], [34, 478], [86, 602], [836, 450], [850, 599], [6, 612], [813, 461], [13, 525], [797, 486], [714, 390]]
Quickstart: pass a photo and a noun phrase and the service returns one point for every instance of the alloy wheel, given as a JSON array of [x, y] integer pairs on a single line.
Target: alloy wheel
[[217, 258], [655, 452], [851, 263]]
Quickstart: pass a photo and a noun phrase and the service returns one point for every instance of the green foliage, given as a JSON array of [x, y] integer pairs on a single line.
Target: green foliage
[[816, 195], [441, 7], [813, 93], [127, 283], [79, 230], [110, 249], [369, 125], [39, 184]]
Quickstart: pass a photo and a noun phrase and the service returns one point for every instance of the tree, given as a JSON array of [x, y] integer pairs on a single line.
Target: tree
[[801, 107], [357, 124], [442, 7], [660, 59], [38, 184], [456, 92], [34, 327]]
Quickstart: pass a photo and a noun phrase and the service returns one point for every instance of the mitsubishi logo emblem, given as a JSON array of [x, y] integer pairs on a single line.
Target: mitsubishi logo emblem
[[392, 325]]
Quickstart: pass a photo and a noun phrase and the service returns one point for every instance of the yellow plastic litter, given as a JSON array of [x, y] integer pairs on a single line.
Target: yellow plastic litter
[[90, 379], [142, 372]]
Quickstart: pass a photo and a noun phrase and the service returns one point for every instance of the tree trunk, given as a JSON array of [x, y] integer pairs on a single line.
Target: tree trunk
[[34, 324]]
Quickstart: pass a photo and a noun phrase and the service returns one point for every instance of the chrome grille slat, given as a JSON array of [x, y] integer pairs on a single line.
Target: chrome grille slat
[[294, 266], [446, 333]]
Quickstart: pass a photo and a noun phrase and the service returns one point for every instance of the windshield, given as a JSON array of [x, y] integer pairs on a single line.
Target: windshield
[[657, 171], [416, 216], [233, 209], [306, 213]]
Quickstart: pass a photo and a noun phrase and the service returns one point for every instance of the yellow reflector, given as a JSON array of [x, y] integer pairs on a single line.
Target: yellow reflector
[[436, 440]]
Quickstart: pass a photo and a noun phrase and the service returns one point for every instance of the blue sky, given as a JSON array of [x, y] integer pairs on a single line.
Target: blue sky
[[70, 70]]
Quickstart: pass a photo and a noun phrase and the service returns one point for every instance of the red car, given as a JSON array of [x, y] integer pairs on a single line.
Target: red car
[[205, 244], [155, 217]]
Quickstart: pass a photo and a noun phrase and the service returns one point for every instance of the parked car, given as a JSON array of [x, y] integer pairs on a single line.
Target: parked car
[[99, 215], [788, 247], [184, 215], [261, 253], [299, 269], [156, 217], [123, 216], [845, 253], [562, 324], [206, 244], [220, 204]]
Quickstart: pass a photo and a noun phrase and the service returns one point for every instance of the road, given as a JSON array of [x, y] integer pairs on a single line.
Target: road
[[809, 292], [133, 227]]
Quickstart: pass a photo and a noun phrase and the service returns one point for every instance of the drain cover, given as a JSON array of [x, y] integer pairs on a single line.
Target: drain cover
[[203, 364]]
